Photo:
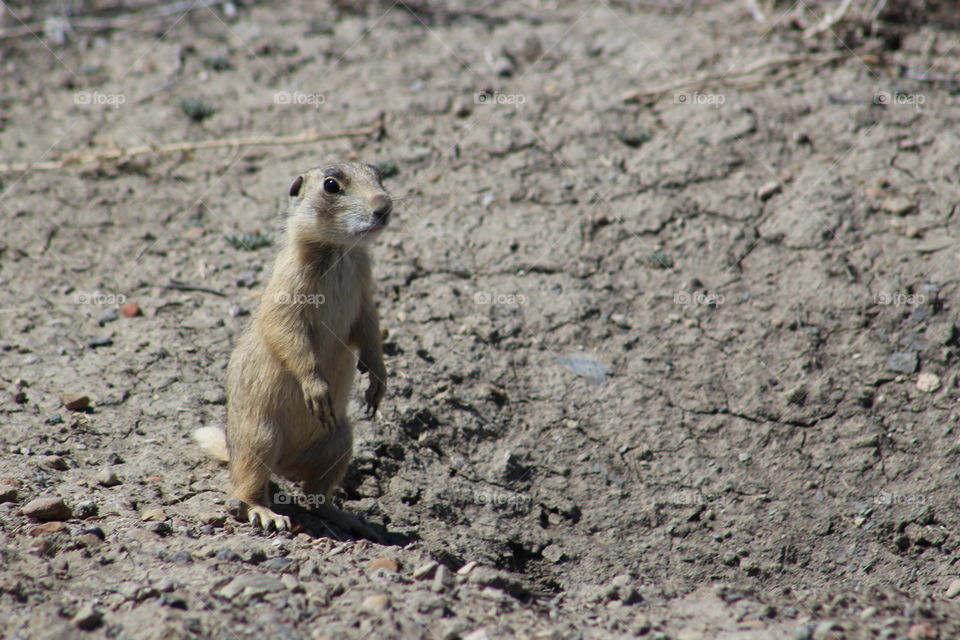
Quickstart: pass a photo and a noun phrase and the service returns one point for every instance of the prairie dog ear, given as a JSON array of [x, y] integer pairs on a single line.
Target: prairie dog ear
[[377, 171], [295, 187]]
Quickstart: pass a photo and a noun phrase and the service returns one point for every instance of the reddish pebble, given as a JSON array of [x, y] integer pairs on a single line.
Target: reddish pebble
[[131, 310], [46, 528], [384, 563]]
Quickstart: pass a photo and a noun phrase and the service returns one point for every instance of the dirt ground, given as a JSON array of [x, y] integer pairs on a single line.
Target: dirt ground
[[674, 365]]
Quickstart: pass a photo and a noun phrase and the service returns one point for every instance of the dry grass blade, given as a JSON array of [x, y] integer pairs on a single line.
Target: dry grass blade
[[125, 153], [759, 73]]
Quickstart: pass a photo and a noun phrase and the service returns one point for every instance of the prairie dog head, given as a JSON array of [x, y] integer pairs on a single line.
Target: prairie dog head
[[341, 204]]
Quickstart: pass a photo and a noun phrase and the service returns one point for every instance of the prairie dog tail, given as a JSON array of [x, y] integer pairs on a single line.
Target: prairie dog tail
[[214, 441]]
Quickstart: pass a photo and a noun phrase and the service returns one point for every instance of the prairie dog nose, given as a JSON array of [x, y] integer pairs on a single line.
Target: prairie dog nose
[[382, 208]]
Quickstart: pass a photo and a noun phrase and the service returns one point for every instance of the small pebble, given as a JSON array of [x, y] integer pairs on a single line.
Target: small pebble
[[953, 590], [47, 508], [903, 362], [425, 571], [928, 382], [641, 623], [89, 540], [94, 531], [251, 585], [8, 493], [384, 563], [131, 310], [620, 320], [108, 316], [107, 478], [467, 568], [213, 519], [441, 579], [75, 401], [769, 190], [247, 280], [153, 515], [898, 205], [86, 509], [228, 555], [87, 618], [55, 462], [376, 603]]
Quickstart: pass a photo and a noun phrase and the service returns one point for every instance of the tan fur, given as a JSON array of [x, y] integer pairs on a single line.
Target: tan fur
[[214, 441], [290, 376]]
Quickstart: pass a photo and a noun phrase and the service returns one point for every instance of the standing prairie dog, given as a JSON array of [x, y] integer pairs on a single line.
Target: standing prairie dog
[[289, 378]]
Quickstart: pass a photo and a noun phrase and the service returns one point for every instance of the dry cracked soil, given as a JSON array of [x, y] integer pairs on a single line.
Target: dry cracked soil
[[671, 294]]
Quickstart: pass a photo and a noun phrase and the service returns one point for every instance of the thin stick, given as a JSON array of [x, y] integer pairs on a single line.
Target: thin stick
[[76, 158], [732, 78], [183, 286]]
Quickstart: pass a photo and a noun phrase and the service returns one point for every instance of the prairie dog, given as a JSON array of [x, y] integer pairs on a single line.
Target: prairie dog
[[290, 375]]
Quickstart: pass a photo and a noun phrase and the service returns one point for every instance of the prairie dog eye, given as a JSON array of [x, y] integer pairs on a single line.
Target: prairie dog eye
[[331, 186]]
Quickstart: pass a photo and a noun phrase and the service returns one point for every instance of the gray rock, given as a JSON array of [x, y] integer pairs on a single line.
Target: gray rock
[[425, 570], [57, 463], [442, 579], [95, 343], [46, 509], [8, 493], [86, 509], [228, 555], [501, 580], [87, 618], [251, 585], [108, 316], [280, 564], [903, 362], [307, 570], [898, 205], [107, 478], [768, 190], [553, 553], [165, 585]]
